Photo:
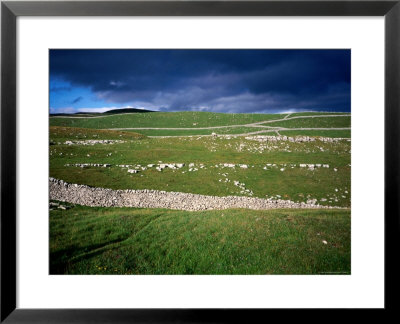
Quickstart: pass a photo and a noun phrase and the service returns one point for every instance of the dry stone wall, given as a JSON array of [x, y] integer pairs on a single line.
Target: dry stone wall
[[94, 142], [296, 139], [101, 197]]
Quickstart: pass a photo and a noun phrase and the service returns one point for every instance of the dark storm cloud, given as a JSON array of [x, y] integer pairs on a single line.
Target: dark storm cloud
[[217, 80]]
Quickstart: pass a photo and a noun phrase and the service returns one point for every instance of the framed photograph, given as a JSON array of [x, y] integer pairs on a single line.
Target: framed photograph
[[164, 158]]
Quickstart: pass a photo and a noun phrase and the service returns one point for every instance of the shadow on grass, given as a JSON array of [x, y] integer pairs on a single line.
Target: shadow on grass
[[61, 260]]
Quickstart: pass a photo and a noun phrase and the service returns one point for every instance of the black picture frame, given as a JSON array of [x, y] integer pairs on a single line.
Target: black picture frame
[[10, 10]]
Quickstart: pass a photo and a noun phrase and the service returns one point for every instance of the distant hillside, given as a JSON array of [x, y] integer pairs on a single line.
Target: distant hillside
[[108, 112], [127, 110]]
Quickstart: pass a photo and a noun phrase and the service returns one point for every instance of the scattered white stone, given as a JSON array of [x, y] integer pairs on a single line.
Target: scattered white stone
[[94, 142], [228, 165], [311, 201], [86, 165]]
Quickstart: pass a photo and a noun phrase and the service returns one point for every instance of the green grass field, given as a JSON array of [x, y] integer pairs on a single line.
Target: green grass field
[[330, 187], [315, 113], [86, 240], [63, 134], [195, 121], [155, 241], [315, 122], [323, 133], [163, 119], [180, 132]]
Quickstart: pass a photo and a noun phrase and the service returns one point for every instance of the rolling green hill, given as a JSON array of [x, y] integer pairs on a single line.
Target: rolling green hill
[[163, 119], [206, 123], [315, 122]]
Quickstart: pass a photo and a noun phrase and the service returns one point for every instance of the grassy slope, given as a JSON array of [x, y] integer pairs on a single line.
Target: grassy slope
[[219, 131], [296, 183], [323, 133], [86, 240], [63, 134], [315, 122], [310, 113], [163, 119]]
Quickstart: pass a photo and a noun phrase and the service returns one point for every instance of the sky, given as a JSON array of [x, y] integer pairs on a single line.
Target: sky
[[229, 81]]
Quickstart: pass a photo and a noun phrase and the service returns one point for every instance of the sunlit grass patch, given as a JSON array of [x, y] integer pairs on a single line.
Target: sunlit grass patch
[[315, 122], [76, 133], [163, 119], [323, 133], [189, 132], [86, 240]]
